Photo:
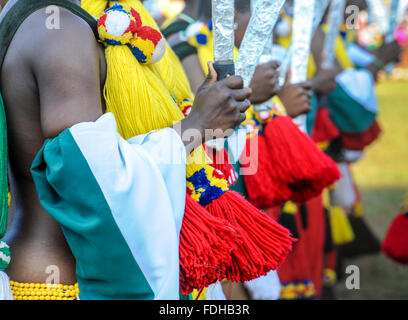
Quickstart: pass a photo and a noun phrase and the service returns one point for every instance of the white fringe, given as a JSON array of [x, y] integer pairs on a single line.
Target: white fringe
[[5, 290]]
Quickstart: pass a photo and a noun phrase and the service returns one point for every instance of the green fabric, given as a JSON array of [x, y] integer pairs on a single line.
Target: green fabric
[[176, 26], [311, 116], [183, 49], [183, 297], [69, 192], [3, 170], [347, 114], [239, 186]]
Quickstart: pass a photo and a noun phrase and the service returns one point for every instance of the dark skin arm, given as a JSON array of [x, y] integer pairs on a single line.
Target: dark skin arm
[[67, 71], [265, 82], [324, 80], [387, 53], [194, 72], [296, 97], [218, 106]]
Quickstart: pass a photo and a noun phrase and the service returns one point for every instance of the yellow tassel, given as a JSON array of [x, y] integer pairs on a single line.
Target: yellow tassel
[[342, 232]]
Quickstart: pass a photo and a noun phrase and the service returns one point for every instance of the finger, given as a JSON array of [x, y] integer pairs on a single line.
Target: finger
[[241, 94], [273, 64], [242, 118], [307, 85], [307, 93], [211, 76], [243, 105], [234, 82]]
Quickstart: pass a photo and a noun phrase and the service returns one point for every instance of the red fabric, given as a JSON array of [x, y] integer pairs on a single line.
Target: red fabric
[[358, 141], [324, 129], [221, 162], [395, 244], [315, 237], [331, 260], [305, 262]]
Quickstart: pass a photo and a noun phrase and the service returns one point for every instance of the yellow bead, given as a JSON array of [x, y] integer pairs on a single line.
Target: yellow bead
[[11, 282], [43, 285], [31, 285], [41, 298], [65, 287], [47, 297], [37, 285], [26, 285]]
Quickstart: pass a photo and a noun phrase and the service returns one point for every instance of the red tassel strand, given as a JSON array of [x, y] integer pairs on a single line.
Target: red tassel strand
[[298, 162], [265, 243], [264, 189], [206, 243]]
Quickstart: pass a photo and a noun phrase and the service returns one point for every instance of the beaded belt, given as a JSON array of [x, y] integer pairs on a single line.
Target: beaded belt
[[42, 291]]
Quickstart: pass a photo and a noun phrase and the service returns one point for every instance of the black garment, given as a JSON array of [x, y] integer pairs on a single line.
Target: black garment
[[182, 49]]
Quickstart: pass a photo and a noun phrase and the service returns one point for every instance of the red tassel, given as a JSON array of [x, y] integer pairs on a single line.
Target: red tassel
[[359, 141], [297, 160], [264, 189], [324, 129], [206, 243], [395, 244], [265, 243], [220, 161]]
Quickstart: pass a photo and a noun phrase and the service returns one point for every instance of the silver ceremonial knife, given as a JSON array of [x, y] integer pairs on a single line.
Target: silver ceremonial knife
[[378, 14], [392, 21], [319, 10], [258, 37], [336, 18], [301, 41], [223, 33]]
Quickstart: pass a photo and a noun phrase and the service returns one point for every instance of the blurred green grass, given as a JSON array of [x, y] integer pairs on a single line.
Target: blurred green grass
[[382, 177]]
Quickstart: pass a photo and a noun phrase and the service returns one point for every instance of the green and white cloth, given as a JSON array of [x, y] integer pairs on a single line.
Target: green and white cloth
[[120, 204]]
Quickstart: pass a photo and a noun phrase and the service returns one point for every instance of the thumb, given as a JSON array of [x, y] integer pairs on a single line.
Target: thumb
[[211, 76], [288, 77]]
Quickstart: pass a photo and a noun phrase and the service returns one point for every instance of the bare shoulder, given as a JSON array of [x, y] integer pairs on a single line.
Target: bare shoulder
[[56, 34], [60, 50]]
